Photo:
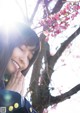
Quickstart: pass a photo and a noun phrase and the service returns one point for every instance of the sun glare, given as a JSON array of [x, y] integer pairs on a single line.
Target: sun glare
[[10, 14]]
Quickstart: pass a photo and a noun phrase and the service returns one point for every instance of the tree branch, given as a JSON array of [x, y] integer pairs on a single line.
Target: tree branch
[[34, 12], [58, 6], [53, 59], [66, 95]]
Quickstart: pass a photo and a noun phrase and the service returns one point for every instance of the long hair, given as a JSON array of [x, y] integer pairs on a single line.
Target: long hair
[[22, 34]]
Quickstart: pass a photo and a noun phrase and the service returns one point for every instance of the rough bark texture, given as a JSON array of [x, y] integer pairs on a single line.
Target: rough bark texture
[[58, 6], [41, 97]]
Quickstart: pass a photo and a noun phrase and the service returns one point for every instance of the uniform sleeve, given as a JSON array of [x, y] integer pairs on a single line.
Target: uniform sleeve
[[13, 102], [28, 107]]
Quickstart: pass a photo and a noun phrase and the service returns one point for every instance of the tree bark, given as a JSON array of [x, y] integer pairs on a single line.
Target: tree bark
[[41, 97], [40, 80], [58, 6]]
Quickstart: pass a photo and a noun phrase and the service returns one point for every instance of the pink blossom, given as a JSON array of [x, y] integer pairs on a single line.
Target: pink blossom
[[46, 39], [73, 15], [68, 6], [75, 7], [45, 111], [67, 18], [56, 16]]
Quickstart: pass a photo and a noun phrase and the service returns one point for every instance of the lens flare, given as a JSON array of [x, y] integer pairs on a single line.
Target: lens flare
[[10, 14]]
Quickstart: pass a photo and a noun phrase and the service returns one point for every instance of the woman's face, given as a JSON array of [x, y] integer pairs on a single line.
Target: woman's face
[[20, 58]]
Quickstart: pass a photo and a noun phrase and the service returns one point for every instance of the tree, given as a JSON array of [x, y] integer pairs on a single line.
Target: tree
[[41, 76]]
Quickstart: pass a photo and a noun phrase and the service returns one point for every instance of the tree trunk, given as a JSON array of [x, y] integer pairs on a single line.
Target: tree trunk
[[40, 80]]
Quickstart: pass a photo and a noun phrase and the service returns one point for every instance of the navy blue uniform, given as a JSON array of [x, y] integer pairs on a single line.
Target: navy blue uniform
[[13, 102]]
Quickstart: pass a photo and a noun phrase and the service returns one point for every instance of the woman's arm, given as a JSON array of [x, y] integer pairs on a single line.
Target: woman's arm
[[13, 102]]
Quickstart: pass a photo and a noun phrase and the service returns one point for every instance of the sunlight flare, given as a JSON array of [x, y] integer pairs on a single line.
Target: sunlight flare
[[10, 14]]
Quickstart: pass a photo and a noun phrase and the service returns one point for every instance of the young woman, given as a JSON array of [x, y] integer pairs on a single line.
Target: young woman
[[18, 50]]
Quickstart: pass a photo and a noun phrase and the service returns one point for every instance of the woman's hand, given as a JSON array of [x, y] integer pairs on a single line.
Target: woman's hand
[[16, 82]]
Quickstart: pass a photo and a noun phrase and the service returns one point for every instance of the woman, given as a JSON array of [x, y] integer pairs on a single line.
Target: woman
[[18, 50]]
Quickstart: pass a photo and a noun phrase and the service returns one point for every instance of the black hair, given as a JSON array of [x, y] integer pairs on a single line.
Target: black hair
[[22, 34]]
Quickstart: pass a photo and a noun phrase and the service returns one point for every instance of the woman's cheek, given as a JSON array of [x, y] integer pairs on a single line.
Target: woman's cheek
[[11, 69]]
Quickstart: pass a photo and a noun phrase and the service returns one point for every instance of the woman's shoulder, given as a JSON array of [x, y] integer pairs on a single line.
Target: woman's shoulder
[[13, 102]]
